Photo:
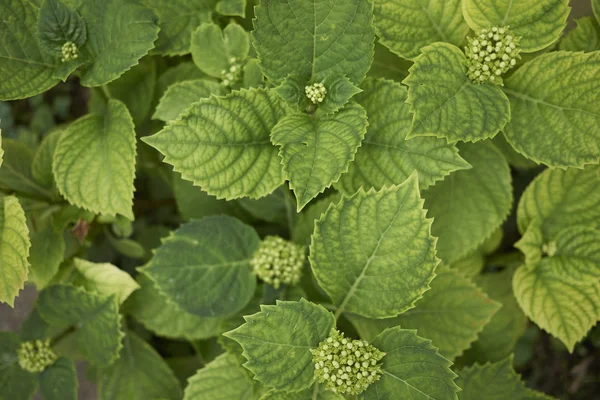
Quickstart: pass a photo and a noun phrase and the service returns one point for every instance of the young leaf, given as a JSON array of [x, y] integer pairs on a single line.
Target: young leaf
[[412, 368], [373, 253], [585, 37], [139, 373], [59, 381], [277, 343], [555, 126], [95, 319], [204, 266], [223, 144], [323, 39], [405, 26], [447, 104], [385, 157], [14, 249], [540, 23], [41, 166], [235, 8], [14, 380], [563, 309], [213, 49], [106, 279], [316, 392], [59, 24], [468, 206], [102, 147], [316, 150], [113, 45], [181, 95], [47, 252]]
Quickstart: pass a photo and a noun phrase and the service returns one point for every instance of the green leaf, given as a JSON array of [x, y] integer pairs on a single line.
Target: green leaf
[[585, 37], [494, 381], [223, 144], [59, 381], [447, 104], [277, 342], [25, 68], [213, 49], [14, 249], [177, 20], [560, 199], [406, 26], [373, 253], [47, 253], [325, 38], [540, 23], [388, 65], [316, 392], [102, 147], [184, 71], [165, 318], [204, 266], [514, 159], [558, 125], [119, 34], [304, 225], [20, 384], [181, 95], [235, 8], [563, 309], [253, 76], [468, 206], [274, 208], [596, 9], [106, 279], [1, 151], [139, 373], [222, 379], [316, 150], [386, 158], [41, 166], [59, 24], [96, 318], [412, 368]]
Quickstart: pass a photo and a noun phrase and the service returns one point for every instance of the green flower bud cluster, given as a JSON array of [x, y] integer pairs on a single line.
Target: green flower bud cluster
[[550, 248], [36, 355], [69, 52], [491, 54], [346, 366], [315, 92], [278, 261], [231, 76]]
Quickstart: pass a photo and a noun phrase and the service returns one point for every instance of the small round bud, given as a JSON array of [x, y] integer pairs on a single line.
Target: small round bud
[[36, 355], [69, 52], [315, 92], [278, 261]]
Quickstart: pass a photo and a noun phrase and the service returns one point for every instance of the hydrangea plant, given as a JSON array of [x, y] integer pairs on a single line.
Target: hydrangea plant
[[333, 199]]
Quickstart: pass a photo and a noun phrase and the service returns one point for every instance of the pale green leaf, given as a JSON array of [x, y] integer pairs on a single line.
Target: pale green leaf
[[253, 76], [59, 381], [59, 24], [316, 150], [18, 383], [385, 157], [14, 249], [223, 144], [563, 309], [96, 319], [469, 205], [185, 71], [26, 70], [585, 37], [41, 165], [204, 266], [235, 8], [339, 91], [213, 49], [102, 147], [277, 342], [304, 225], [316, 392], [275, 207], [514, 159], [540, 23], [406, 26], [447, 104], [412, 369], [181, 95], [314, 39], [557, 124], [47, 253], [106, 279], [373, 253], [120, 32]]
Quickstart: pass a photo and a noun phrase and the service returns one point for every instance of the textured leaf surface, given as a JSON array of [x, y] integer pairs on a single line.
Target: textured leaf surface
[[19, 383], [468, 206], [14, 249], [557, 124], [59, 381], [106, 279], [102, 147], [59, 24], [385, 157], [446, 103], [98, 335], [140, 373], [47, 252], [405, 26], [323, 38], [119, 34], [540, 23], [204, 266], [223, 144], [563, 309], [212, 48], [585, 37], [41, 166], [373, 253], [412, 369], [181, 95], [316, 150], [316, 392], [278, 339]]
